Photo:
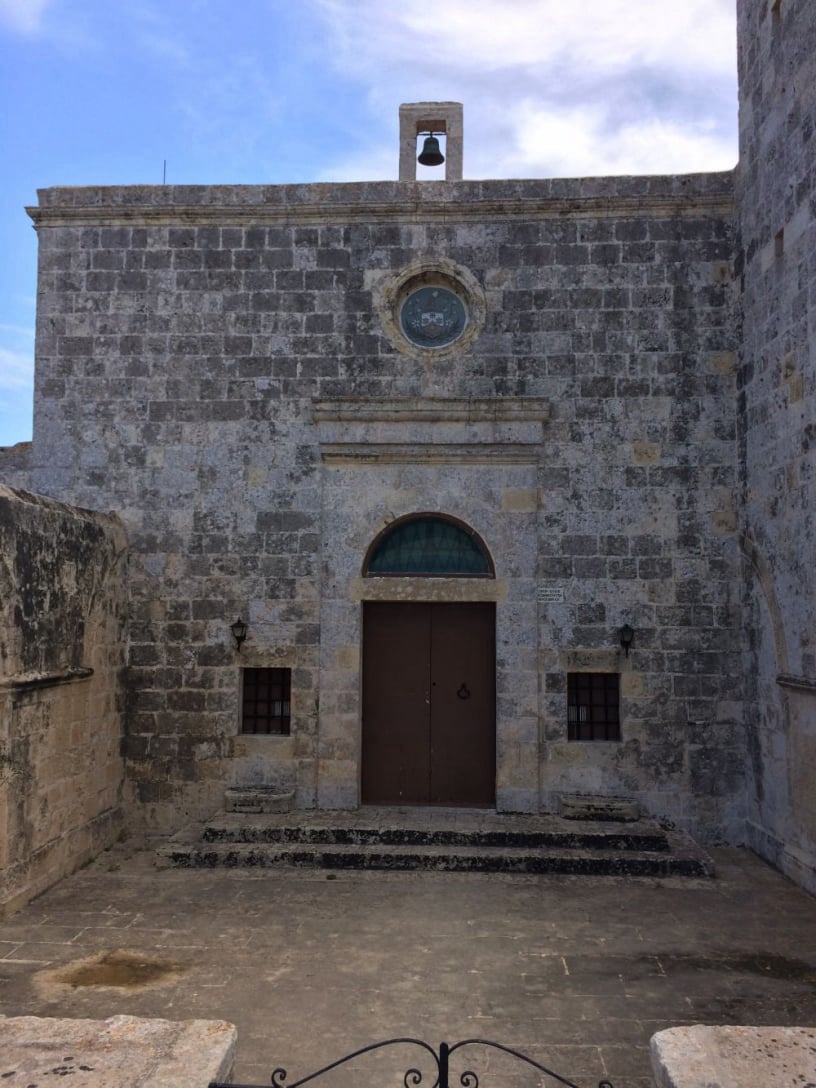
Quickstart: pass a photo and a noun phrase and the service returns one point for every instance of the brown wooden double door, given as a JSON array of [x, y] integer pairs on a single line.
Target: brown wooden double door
[[429, 704]]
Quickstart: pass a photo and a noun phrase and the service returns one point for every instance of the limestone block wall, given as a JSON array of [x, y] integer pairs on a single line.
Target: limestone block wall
[[193, 344], [777, 413], [62, 651]]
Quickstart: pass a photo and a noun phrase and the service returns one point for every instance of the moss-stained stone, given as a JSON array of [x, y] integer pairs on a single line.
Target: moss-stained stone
[[62, 653]]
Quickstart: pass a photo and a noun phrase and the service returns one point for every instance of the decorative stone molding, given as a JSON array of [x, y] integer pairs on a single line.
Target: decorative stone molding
[[386, 202], [493, 436], [797, 683], [483, 453], [432, 410], [454, 282], [427, 589]]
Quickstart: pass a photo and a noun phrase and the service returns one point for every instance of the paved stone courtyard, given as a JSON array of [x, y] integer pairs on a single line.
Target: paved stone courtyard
[[578, 972]]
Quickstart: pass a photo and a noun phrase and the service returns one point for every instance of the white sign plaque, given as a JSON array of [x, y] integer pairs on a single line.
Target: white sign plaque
[[551, 594]]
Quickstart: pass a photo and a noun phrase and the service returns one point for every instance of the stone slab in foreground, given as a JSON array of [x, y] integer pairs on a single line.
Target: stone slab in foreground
[[734, 1057], [121, 1052]]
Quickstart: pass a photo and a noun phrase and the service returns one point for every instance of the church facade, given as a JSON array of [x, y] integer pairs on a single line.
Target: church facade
[[458, 492]]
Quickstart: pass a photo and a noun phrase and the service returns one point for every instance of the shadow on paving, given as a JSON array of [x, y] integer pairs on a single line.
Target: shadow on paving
[[576, 972]]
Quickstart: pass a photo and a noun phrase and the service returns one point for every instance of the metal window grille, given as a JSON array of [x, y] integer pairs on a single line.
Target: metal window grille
[[266, 701], [593, 706]]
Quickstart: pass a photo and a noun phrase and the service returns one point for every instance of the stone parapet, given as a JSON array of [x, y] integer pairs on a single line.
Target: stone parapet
[[384, 201]]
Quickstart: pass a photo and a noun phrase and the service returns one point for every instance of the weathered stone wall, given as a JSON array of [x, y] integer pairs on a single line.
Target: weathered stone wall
[[777, 413], [193, 344], [15, 464], [62, 645]]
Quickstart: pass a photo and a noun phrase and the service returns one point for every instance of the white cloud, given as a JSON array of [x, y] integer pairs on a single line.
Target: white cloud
[[580, 143], [24, 16], [610, 36], [496, 35], [551, 89]]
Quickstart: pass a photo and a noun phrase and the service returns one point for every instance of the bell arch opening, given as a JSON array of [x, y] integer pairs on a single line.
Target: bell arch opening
[[428, 545]]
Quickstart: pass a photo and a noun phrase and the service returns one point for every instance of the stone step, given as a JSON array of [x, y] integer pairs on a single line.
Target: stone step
[[256, 799], [231, 830], [441, 839], [684, 861]]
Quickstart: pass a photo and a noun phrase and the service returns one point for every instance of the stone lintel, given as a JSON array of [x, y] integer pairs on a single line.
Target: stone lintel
[[598, 659], [432, 453], [431, 409], [387, 588]]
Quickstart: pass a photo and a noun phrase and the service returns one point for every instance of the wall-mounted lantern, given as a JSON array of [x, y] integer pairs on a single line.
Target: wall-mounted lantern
[[239, 632], [626, 635]]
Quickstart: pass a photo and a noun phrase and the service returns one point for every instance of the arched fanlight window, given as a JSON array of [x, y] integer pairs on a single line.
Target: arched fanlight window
[[428, 544]]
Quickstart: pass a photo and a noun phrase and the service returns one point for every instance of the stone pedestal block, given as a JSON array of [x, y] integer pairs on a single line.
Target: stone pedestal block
[[121, 1052]]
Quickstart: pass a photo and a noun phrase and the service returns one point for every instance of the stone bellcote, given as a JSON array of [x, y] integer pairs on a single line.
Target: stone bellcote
[[437, 117]]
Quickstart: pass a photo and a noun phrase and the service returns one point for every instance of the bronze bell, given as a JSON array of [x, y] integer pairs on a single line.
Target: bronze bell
[[430, 154]]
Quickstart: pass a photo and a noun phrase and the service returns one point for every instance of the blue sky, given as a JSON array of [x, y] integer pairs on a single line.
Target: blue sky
[[102, 92]]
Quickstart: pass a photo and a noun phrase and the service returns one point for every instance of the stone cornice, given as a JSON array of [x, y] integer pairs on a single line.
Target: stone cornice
[[423, 453], [431, 410], [387, 202]]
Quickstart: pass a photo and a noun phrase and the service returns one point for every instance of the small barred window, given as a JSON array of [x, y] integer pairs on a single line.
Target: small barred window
[[593, 706], [266, 701]]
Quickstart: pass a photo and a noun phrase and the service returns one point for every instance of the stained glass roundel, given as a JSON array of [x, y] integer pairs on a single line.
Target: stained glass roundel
[[429, 545], [433, 317]]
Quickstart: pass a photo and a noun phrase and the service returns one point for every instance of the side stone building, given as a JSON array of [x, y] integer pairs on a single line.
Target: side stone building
[[775, 265], [510, 484]]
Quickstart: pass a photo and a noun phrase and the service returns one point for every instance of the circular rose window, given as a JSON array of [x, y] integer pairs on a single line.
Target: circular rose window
[[432, 317], [430, 309]]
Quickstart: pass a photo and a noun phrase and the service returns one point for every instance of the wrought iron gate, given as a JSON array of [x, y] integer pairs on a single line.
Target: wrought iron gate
[[413, 1077]]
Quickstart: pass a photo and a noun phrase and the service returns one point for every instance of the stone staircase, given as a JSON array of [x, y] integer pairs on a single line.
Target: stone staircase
[[440, 839]]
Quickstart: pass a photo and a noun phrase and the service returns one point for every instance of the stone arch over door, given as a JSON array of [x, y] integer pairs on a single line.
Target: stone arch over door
[[428, 545], [429, 671]]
